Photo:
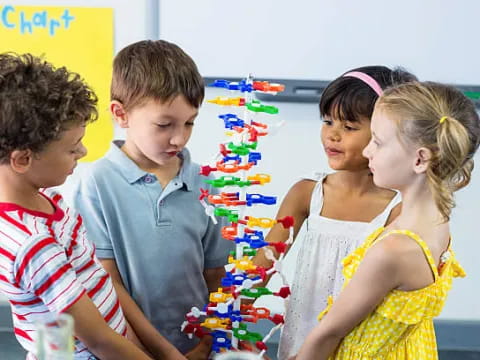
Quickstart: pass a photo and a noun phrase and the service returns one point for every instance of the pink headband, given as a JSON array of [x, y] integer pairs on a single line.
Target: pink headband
[[367, 79]]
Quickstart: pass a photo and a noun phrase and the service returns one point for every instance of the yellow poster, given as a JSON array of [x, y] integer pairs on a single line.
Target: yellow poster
[[80, 39]]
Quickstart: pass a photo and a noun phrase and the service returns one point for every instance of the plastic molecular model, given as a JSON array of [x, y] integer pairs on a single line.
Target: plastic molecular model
[[226, 317]]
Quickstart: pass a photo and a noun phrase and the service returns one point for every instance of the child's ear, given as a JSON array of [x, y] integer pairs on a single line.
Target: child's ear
[[422, 160], [119, 114], [20, 160]]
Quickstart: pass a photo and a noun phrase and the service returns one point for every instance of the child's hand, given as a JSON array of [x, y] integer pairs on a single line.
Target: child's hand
[[202, 350]]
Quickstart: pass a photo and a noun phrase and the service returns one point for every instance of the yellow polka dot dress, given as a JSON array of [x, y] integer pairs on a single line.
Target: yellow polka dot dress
[[401, 327]]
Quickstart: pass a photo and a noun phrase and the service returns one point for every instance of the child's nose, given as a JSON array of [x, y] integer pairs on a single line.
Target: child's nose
[[82, 151], [178, 138], [366, 151], [334, 135]]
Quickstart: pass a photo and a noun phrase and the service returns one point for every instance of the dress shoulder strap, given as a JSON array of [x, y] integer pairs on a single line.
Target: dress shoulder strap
[[382, 218], [420, 242], [316, 200]]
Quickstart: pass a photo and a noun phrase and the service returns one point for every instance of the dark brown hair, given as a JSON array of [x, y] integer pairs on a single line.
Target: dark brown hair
[[156, 70], [349, 98], [38, 102]]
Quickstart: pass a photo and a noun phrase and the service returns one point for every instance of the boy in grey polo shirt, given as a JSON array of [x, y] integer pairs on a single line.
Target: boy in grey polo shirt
[[140, 201]]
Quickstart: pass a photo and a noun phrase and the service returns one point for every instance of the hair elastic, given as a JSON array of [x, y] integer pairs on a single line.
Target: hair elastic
[[442, 119], [367, 79]]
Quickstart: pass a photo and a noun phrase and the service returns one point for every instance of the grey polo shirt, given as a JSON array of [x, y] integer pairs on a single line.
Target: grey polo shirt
[[161, 239]]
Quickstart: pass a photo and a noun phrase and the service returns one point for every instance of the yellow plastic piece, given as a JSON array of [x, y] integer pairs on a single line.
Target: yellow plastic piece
[[222, 100], [261, 222], [219, 296], [215, 323], [243, 264], [263, 178]]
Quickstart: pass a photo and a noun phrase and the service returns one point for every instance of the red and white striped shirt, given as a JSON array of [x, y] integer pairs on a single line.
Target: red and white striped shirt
[[46, 265]]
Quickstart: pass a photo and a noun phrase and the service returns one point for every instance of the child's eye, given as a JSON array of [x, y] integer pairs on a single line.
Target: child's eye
[[327, 122], [163, 125], [189, 124], [350, 128]]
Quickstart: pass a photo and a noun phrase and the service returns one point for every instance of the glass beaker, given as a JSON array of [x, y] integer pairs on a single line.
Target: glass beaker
[[55, 340]]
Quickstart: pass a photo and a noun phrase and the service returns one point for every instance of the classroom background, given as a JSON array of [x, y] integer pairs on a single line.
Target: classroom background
[[307, 43]]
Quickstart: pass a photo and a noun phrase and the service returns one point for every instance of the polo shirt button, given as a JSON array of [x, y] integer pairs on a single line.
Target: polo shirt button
[[148, 179]]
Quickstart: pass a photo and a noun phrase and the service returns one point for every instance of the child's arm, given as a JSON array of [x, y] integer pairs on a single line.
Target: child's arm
[[379, 273], [213, 277], [155, 343], [297, 204], [100, 339]]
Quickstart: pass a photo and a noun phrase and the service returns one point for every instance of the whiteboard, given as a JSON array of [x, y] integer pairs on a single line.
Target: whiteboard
[[320, 39]]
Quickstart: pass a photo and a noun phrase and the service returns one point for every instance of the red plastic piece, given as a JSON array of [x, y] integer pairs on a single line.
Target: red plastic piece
[[283, 292], [223, 150], [206, 170], [266, 86], [203, 194], [261, 345], [191, 318], [277, 319], [258, 124], [280, 247], [287, 221]]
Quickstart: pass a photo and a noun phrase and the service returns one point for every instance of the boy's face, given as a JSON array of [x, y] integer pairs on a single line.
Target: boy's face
[[156, 131], [51, 166]]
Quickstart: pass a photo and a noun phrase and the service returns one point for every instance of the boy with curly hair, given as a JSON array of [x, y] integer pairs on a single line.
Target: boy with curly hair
[[47, 265]]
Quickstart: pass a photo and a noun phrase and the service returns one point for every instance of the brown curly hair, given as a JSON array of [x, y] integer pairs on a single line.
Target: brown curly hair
[[38, 102]]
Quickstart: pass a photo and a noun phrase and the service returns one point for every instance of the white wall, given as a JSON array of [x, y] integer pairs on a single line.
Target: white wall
[[319, 39]]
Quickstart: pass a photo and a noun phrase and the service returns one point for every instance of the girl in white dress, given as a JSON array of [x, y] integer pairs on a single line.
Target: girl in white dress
[[340, 208]]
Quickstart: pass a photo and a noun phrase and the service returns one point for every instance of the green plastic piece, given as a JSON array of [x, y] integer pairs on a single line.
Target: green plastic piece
[[223, 181], [231, 215], [256, 292], [246, 251], [243, 334], [243, 149], [228, 181], [257, 106]]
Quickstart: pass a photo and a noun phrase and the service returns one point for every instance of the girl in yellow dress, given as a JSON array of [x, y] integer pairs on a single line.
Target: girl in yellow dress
[[424, 136]]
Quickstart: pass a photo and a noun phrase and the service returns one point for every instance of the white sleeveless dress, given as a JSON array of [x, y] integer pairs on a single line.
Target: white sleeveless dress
[[318, 271]]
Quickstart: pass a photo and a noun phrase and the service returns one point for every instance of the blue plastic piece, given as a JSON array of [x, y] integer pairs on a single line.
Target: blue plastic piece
[[260, 199], [220, 341], [255, 240], [237, 279], [223, 315], [231, 157], [253, 157], [232, 85], [231, 120]]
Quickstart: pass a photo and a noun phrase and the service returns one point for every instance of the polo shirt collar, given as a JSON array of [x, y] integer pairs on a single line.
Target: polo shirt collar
[[133, 173]]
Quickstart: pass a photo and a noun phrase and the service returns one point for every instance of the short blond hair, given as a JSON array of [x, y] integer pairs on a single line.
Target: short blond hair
[[418, 108]]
